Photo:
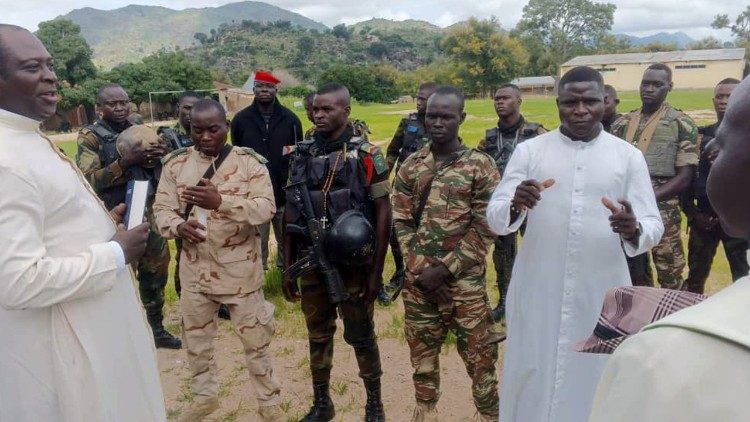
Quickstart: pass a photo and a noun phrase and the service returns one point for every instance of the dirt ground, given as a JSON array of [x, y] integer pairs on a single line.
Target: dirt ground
[[291, 365]]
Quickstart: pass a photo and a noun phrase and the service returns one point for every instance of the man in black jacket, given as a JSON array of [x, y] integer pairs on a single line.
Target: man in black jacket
[[267, 126]]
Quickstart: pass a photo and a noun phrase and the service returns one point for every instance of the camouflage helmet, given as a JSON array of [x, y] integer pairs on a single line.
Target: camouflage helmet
[[137, 136], [351, 240]]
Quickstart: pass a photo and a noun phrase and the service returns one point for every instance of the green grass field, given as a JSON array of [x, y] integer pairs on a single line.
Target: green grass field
[[383, 119]]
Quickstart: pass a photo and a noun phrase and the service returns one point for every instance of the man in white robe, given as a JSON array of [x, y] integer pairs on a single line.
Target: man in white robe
[[694, 365], [74, 344], [571, 252]]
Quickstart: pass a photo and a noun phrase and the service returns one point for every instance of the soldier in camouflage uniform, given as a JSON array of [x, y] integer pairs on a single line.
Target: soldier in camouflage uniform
[[178, 137], [342, 172], [610, 108], [669, 140], [705, 230], [410, 136], [500, 142], [440, 199], [221, 256], [108, 173]]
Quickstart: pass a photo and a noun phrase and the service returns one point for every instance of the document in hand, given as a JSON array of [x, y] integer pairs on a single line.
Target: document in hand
[[135, 200]]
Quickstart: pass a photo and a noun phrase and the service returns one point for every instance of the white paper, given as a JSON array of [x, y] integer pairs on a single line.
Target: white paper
[[136, 202]]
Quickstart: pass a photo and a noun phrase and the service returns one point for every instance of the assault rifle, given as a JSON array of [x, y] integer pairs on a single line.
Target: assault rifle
[[298, 196]]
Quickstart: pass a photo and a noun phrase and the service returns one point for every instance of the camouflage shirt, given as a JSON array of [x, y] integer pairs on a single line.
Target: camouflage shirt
[[676, 122], [88, 160], [453, 227], [228, 262]]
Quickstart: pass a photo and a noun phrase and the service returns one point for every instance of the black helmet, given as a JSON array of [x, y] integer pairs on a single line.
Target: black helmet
[[351, 240]]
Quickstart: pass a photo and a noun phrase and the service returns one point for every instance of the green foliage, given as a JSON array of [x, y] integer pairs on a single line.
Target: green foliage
[[484, 57], [164, 71], [706, 43], [365, 84], [564, 28], [299, 91], [340, 31], [71, 51], [740, 28]]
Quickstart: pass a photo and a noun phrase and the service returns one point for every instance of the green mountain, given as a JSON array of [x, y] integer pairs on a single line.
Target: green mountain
[[234, 51], [132, 32]]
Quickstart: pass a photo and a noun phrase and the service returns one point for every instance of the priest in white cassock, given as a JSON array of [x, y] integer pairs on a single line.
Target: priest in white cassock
[[74, 342], [585, 196]]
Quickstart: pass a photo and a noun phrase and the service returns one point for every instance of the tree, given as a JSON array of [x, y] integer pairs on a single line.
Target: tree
[[484, 56], [361, 82], [201, 37], [340, 31], [563, 28], [740, 28], [706, 43], [72, 54]]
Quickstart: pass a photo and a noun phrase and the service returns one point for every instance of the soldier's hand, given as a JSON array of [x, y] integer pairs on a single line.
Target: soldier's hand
[[118, 213], [622, 220], [132, 242], [155, 153], [433, 281], [206, 197], [529, 192], [190, 231], [373, 287], [136, 156], [290, 289]]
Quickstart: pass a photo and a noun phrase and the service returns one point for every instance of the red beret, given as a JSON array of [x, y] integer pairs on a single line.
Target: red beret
[[261, 76]]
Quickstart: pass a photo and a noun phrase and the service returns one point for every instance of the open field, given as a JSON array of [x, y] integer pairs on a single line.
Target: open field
[[290, 345]]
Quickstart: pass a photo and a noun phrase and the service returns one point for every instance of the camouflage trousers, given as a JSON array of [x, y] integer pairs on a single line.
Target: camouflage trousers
[[702, 246], [265, 235], [153, 270], [668, 255], [503, 257], [359, 328], [252, 317], [426, 327]]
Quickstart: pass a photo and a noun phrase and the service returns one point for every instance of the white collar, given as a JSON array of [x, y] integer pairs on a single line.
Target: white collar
[[18, 122], [579, 144]]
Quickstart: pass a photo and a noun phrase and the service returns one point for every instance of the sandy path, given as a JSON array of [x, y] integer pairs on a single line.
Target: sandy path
[[292, 370]]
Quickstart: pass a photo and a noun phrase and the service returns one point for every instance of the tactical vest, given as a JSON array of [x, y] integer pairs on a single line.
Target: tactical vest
[[415, 137], [662, 151], [114, 195], [501, 151], [707, 134], [175, 139], [348, 189]]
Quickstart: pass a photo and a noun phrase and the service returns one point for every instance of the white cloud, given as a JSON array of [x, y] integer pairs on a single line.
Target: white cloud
[[638, 17]]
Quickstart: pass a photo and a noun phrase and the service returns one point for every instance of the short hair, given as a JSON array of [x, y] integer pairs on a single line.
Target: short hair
[[309, 98], [206, 104], [581, 74], [662, 67], [511, 86], [428, 86], [105, 87], [3, 53], [188, 94], [609, 89], [335, 87], [450, 90], [729, 81]]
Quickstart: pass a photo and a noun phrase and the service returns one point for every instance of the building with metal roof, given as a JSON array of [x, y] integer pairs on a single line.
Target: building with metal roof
[[535, 84], [691, 69]]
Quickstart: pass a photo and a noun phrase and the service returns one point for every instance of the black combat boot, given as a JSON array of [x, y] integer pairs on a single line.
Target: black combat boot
[[322, 409], [162, 338], [374, 408]]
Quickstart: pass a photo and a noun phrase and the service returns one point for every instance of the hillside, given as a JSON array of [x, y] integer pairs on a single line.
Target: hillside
[[132, 32], [236, 50], [680, 39]]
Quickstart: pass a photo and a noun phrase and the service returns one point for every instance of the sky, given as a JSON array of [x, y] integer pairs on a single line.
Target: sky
[[634, 17]]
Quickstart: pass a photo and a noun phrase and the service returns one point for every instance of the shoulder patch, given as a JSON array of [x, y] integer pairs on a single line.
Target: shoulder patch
[[369, 148], [171, 155], [251, 152]]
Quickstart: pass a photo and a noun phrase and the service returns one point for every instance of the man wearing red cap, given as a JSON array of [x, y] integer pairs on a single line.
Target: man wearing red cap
[[267, 126]]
